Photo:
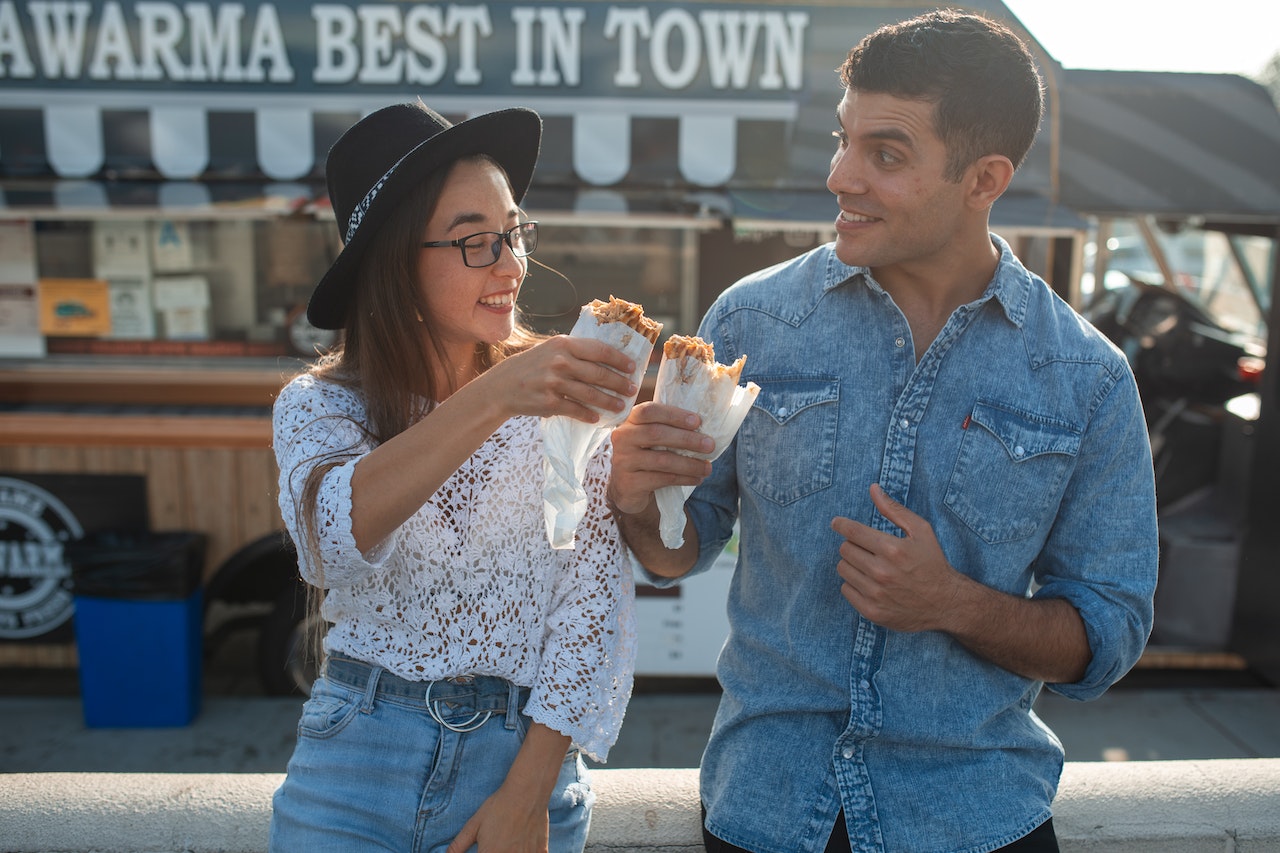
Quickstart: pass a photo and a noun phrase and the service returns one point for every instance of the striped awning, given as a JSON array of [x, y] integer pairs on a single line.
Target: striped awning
[[1130, 143], [1169, 144], [589, 142]]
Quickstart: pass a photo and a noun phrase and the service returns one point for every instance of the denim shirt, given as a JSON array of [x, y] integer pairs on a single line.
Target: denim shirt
[[1020, 438]]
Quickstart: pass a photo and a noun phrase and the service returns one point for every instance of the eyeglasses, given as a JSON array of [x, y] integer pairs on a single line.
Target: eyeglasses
[[484, 249]]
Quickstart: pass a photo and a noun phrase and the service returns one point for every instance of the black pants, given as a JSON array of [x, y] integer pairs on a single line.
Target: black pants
[[1042, 839]]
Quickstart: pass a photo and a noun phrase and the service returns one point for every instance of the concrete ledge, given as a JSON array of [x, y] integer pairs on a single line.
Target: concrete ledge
[[1231, 806]]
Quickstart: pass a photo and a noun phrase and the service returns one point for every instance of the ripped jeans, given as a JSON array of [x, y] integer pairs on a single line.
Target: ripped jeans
[[383, 763]]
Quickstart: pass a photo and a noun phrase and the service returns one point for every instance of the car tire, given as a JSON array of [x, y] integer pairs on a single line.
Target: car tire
[[286, 662]]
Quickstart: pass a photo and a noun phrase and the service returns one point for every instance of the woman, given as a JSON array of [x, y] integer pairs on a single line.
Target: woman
[[468, 663]]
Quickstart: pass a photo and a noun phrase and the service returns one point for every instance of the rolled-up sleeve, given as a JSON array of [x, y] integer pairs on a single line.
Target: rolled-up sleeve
[[311, 428], [1103, 553]]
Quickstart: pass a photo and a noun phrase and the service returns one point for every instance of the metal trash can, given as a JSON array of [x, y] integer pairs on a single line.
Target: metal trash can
[[139, 615]]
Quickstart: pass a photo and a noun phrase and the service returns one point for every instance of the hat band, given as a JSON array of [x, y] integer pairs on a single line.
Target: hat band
[[357, 215]]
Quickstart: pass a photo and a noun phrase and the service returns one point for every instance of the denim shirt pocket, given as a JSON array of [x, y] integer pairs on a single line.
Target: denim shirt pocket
[[787, 444], [1010, 471]]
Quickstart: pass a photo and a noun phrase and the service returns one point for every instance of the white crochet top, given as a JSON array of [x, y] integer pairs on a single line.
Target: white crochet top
[[469, 585]]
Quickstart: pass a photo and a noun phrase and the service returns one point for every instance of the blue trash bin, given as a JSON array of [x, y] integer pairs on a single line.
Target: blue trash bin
[[139, 615]]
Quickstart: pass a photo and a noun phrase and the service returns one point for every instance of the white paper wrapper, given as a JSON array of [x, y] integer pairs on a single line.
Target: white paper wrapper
[[567, 444], [710, 390]]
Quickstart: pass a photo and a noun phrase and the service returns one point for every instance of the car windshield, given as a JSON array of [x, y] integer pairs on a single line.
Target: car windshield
[[1226, 275]]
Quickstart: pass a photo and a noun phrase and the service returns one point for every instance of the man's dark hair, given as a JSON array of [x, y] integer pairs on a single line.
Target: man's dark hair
[[987, 94]]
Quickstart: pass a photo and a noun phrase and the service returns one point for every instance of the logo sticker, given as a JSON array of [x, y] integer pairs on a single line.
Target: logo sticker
[[35, 579]]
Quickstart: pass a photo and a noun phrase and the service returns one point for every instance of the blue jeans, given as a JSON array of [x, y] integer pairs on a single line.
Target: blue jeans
[[383, 763]]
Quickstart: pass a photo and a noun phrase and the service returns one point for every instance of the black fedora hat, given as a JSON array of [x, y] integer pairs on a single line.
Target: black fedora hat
[[378, 159]]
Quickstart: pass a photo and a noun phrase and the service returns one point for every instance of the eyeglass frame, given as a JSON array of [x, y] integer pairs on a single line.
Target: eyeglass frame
[[495, 247]]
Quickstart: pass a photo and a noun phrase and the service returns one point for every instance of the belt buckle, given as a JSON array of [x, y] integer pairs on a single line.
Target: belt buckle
[[477, 720]]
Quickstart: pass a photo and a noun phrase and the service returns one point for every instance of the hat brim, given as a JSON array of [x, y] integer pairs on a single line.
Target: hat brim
[[511, 137]]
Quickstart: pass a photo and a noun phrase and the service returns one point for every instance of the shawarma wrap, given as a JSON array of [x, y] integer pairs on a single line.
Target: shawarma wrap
[[690, 377], [567, 444]]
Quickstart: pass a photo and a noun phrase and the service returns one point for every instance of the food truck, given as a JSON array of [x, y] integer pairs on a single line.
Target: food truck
[[163, 218]]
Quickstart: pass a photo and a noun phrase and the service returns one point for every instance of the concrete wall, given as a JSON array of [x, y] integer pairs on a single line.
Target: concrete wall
[[1231, 806]]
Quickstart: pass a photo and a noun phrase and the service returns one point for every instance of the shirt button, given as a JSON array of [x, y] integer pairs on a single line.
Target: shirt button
[[904, 423], [864, 684], [848, 753], [899, 342], [1018, 451], [782, 413]]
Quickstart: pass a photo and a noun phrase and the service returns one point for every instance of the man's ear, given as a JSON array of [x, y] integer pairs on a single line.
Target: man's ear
[[989, 177]]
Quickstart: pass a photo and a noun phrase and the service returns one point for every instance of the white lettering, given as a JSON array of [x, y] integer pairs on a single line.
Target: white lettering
[[12, 45], [627, 25], [365, 44], [159, 29], [387, 43], [32, 559], [173, 42], [561, 46], [784, 50], [49, 610], [731, 40], [382, 62], [336, 57], [23, 500], [59, 29], [523, 18], [660, 52], [469, 23], [215, 48], [266, 47], [422, 29], [113, 48]]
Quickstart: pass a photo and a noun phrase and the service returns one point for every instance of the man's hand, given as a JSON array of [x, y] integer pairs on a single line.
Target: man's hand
[[643, 457], [906, 584], [644, 460], [903, 583]]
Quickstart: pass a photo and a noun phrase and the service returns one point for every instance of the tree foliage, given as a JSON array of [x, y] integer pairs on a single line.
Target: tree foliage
[[1270, 78]]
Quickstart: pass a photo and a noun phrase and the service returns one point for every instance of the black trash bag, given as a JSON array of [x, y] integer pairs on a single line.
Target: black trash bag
[[137, 565]]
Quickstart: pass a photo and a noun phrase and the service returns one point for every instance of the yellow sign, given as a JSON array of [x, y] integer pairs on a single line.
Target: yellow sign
[[75, 307]]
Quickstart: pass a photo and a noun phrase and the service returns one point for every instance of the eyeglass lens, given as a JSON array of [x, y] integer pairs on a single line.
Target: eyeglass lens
[[522, 239]]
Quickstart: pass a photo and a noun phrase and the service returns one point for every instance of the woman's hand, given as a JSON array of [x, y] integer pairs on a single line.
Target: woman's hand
[[506, 823], [514, 818], [563, 376]]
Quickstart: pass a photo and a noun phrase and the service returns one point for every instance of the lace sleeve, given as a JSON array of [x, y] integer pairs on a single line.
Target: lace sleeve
[[317, 423], [585, 678]]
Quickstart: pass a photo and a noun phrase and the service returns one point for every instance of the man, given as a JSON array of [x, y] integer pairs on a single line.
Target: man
[[944, 489]]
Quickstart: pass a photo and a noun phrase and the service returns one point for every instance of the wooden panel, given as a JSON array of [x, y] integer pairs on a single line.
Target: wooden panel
[[166, 489], [47, 655], [115, 460], [260, 512], [81, 430], [200, 384], [211, 501], [50, 460]]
